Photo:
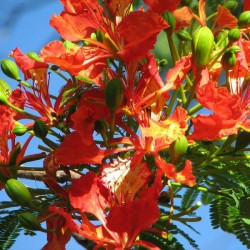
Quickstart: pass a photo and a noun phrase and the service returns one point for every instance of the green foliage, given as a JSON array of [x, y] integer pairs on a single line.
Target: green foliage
[[9, 232], [225, 215]]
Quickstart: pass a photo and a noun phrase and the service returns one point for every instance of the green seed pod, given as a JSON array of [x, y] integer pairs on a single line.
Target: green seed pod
[[184, 35], [40, 129], [178, 148], [228, 60], [231, 5], [29, 221], [202, 46], [114, 93], [18, 192], [244, 19], [19, 130], [170, 19], [234, 35], [33, 56], [10, 69]]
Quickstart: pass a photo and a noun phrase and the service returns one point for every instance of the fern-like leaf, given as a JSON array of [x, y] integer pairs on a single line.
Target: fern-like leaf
[[9, 232], [189, 198]]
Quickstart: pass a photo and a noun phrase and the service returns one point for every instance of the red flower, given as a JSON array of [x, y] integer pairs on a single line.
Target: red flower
[[120, 227]]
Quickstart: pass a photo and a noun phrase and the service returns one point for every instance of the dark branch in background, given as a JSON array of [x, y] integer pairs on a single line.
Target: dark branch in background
[[61, 176]]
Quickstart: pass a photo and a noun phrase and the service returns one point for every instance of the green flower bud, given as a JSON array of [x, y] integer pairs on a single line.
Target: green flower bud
[[234, 35], [10, 69], [231, 5], [222, 39], [234, 49], [19, 130], [242, 141], [244, 19], [3, 98], [18, 192], [33, 56], [4, 87], [170, 19], [40, 129], [178, 148], [183, 35], [202, 46], [68, 45], [29, 221], [101, 126], [228, 60], [114, 93]]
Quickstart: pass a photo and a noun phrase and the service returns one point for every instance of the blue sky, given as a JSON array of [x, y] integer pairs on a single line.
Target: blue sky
[[25, 24]]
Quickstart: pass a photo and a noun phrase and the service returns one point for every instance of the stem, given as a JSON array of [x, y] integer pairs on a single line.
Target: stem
[[227, 143], [185, 212], [195, 108]]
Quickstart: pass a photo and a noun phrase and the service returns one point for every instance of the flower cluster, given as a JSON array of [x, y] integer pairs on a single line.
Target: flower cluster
[[122, 130]]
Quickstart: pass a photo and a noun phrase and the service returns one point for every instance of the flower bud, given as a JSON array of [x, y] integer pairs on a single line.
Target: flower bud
[[29, 221], [178, 148], [170, 19], [101, 126], [222, 39], [114, 93], [68, 45], [19, 130], [40, 129], [231, 5], [10, 69], [242, 141], [33, 56], [3, 98], [202, 46], [244, 19], [234, 35], [183, 35], [18, 192], [4, 87], [234, 49], [228, 60]]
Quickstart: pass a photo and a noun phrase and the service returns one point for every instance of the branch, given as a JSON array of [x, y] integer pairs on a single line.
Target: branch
[[61, 176]]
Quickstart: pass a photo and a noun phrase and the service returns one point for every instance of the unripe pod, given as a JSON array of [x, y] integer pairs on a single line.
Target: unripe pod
[[18, 192], [10, 69], [183, 35], [178, 148], [231, 5], [19, 130], [244, 19], [29, 221], [202, 46], [228, 60], [40, 129], [170, 19], [114, 93], [234, 35]]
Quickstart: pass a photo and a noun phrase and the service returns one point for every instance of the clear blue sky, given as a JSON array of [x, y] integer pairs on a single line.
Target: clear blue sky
[[25, 24]]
